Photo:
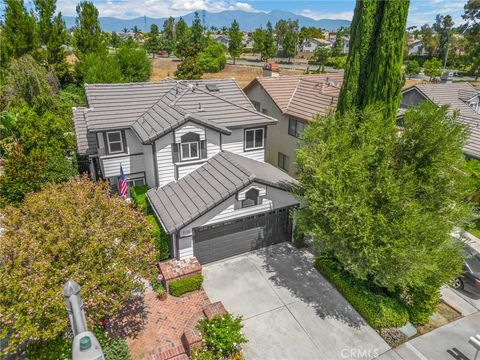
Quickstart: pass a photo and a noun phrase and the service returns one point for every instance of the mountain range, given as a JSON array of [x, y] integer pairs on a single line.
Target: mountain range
[[247, 20]]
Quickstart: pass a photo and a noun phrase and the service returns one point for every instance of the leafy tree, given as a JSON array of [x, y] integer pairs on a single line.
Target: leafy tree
[[212, 58], [290, 43], [472, 34], [263, 43], [269, 49], [374, 64], [182, 34], [339, 62], [88, 36], [74, 230], [443, 26], [115, 40], [430, 41], [337, 49], [282, 28], [310, 33], [198, 39], [98, 68], [134, 64], [153, 43], [235, 46], [168, 33], [413, 68], [136, 32], [18, 33], [321, 55], [258, 41], [432, 68], [189, 69], [385, 205]]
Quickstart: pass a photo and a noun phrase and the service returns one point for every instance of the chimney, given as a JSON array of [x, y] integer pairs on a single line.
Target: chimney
[[271, 70]]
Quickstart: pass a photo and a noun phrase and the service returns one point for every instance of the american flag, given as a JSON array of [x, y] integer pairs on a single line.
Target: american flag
[[123, 183]]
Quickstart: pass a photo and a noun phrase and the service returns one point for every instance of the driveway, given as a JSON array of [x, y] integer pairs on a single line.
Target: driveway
[[289, 310]]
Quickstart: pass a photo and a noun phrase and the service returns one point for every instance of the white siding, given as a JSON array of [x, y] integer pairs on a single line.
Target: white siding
[[165, 166], [134, 146], [187, 128], [187, 169], [235, 143], [149, 168], [213, 142], [230, 212], [130, 165], [185, 247]]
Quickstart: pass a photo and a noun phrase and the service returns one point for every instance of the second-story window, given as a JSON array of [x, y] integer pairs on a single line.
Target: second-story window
[[115, 142], [189, 147], [295, 128], [254, 139]]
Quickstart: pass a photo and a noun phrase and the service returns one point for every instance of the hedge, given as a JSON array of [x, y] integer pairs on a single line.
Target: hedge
[[139, 196], [162, 243], [378, 309], [185, 285]]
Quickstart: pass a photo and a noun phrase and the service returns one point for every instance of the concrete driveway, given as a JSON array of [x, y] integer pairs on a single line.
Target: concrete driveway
[[290, 311]]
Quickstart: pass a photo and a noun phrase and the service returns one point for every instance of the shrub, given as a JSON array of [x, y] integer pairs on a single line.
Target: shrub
[[422, 304], [185, 285], [378, 309], [158, 287], [114, 348], [162, 243], [222, 335], [139, 196], [212, 58]]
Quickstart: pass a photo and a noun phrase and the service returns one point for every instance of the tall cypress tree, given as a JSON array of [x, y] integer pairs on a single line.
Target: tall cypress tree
[[18, 34], [88, 36], [373, 71], [235, 46]]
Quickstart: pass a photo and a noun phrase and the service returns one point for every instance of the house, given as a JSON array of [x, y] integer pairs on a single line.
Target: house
[[310, 45], [200, 147], [461, 97], [222, 39], [346, 44], [416, 47], [293, 100]]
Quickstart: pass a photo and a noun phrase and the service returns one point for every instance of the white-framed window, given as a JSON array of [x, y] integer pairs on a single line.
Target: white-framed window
[[114, 142], [189, 150], [135, 182], [254, 139]]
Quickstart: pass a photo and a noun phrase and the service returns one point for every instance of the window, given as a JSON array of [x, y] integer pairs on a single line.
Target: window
[[295, 128], [265, 111], [256, 104], [189, 147], [251, 198], [135, 182], [254, 139], [114, 142], [283, 161]]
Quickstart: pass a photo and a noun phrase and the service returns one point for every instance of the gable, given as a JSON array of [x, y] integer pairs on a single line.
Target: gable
[[412, 97]]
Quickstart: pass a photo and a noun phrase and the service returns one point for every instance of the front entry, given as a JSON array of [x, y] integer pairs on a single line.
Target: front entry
[[222, 240]]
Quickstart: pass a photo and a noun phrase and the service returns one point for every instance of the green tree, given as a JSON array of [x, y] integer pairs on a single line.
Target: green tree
[[88, 36], [134, 64], [290, 43], [385, 205], [472, 35], [235, 46], [429, 39], [443, 26], [212, 58], [153, 43], [168, 35], [269, 49], [373, 72], [432, 68], [136, 33], [321, 55], [189, 69], [412, 68], [310, 33], [182, 34], [18, 33], [75, 230], [98, 68], [115, 40], [337, 48], [258, 41], [198, 40]]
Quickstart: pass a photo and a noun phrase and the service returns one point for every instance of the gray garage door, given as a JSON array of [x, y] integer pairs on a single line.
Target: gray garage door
[[222, 240]]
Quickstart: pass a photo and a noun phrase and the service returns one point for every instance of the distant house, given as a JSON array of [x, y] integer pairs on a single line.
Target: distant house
[[293, 100], [461, 97], [310, 45], [416, 47], [346, 44], [200, 147], [222, 39]]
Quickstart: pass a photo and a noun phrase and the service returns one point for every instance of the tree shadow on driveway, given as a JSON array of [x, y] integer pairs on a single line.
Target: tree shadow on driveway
[[292, 270]]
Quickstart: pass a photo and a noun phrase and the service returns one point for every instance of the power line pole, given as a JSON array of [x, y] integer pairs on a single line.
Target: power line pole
[[85, 345]]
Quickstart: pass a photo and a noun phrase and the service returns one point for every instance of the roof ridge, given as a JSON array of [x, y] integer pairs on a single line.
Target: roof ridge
[[293, 94]]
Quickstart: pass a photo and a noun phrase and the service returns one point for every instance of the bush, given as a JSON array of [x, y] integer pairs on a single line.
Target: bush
[[162, 241], [139, 196], [158, 287], [185, 285], [114, 348], [222, 335], [421, 305], [212, 58], [134, 64], [378, 309]]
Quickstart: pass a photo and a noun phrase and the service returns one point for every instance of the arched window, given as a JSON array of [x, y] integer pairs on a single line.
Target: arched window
[[189, 147], [251, 198]]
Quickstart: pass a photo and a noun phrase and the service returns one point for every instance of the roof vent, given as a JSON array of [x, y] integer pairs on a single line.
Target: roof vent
[[212, 87]]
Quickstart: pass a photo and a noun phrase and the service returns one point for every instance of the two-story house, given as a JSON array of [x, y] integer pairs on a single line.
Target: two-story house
[[293, 100], [461, 97], [200, 147]]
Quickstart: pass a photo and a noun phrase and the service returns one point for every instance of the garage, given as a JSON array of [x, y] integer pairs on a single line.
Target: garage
[[222, 240]]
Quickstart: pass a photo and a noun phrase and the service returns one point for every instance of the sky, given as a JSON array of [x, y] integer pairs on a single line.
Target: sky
[[421, 11]]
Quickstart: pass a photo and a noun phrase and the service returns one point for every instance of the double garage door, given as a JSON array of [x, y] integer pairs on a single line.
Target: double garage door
[[221, 240]]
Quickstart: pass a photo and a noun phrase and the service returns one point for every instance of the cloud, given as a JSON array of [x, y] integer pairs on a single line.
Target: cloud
[[154, 8], [343, 15]]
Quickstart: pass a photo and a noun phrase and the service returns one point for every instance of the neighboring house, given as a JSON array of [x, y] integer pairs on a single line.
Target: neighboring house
[[416, 48], [310, 45], [461, 97], [293, 100], [346, 44], [222, 39], [200, 147]]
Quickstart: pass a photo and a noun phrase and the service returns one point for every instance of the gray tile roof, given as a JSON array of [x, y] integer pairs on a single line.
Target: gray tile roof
[[179, 203], [86, 142], [152, 109], [472, 146]]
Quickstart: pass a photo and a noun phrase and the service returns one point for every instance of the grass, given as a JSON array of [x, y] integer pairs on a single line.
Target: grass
[[474, 228]]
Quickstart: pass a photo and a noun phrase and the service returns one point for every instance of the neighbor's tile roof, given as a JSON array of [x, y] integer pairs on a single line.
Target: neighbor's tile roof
[[86, 142], [472, 146], [152, 109], [179, 203], [302, 96]]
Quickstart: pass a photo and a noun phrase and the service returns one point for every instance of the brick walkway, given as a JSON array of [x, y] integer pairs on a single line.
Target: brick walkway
[[165, 322]]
